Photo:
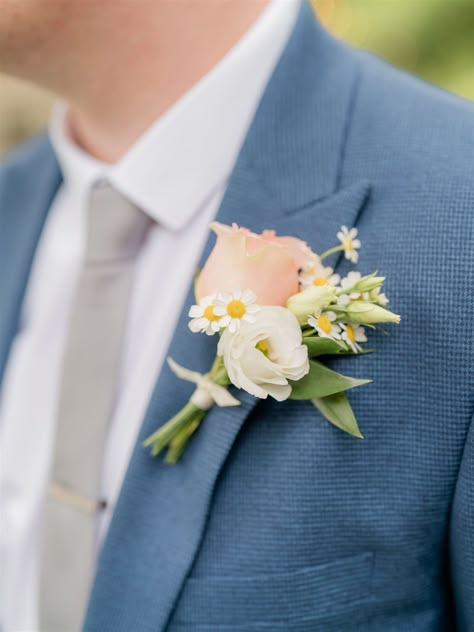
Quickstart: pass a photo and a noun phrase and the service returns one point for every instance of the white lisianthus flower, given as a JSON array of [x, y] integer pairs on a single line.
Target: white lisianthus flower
[[261, 356]]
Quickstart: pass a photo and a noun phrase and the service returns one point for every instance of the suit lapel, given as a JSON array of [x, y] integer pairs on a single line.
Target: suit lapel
[[287, 178], [27, 187]]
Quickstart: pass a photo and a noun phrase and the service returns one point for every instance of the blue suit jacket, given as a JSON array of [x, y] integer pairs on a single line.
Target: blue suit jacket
[[274, 519]]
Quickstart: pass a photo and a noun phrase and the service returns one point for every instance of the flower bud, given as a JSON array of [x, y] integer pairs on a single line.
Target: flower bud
[[305, 303], [369, 283], [368, 314]]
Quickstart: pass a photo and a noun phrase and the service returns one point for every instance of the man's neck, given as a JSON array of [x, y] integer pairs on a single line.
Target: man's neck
[[143, 69]]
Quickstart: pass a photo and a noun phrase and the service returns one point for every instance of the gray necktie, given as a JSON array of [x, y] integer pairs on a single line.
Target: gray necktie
[[116, 229]]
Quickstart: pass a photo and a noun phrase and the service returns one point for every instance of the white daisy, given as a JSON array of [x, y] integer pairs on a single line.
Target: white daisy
[[353, 334], [325, 325], [315, 274], [204, 318], [351, 244], [235, 307], [347, 283], [350, 280]]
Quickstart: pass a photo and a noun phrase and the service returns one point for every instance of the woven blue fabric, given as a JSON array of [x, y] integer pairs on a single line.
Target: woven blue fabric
[[274, 519]]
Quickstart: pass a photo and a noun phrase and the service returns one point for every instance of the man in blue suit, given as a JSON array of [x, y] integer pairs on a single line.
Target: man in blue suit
[[273, 519]]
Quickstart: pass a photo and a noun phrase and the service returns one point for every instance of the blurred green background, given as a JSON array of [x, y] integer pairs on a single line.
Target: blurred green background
[[431, 38]]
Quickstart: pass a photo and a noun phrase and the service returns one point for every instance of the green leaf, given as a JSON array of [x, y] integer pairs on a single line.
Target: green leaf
[[337, 409], [323, 346], [321, 382]]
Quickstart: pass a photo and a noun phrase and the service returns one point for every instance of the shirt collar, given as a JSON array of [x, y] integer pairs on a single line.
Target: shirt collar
[[79, 169], [191, 149]]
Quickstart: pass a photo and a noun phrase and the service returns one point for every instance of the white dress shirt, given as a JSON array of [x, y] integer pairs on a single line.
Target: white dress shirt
[[176, 173]]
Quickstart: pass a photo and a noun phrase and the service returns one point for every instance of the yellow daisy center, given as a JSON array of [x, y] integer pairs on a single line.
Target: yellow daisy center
[[348, 245], [209, 313], [236, 309], [325, 324], [350, 333], [320, 281]]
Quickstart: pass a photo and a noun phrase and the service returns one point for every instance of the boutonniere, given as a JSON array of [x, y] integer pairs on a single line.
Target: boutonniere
[[276, 310]]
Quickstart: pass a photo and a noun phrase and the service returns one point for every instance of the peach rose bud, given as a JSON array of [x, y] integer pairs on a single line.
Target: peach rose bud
[[264, 263]]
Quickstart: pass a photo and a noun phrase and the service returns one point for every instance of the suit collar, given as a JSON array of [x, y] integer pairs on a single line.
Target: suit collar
[[287, 178], [296, 143]]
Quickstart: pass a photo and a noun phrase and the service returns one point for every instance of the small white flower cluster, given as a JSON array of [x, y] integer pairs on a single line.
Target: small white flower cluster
[[325, 323], [350, 291], [316, 274], [324, 295], [223, 310], [326, 303]]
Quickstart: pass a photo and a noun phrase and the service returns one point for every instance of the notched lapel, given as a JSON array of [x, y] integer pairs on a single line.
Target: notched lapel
[[318, 222]]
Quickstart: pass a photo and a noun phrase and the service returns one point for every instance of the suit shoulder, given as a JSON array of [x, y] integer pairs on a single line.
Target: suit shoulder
[[26, 154], [27, 168], [415, 101], [411, 134]]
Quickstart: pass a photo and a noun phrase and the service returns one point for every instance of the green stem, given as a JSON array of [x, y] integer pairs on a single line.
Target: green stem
[[218, 373], [176, 432], [161, 437], [216, 365], [331, 251], [180, 441]]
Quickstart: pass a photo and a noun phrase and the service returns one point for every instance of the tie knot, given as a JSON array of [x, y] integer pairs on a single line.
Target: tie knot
[[116, 227]]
